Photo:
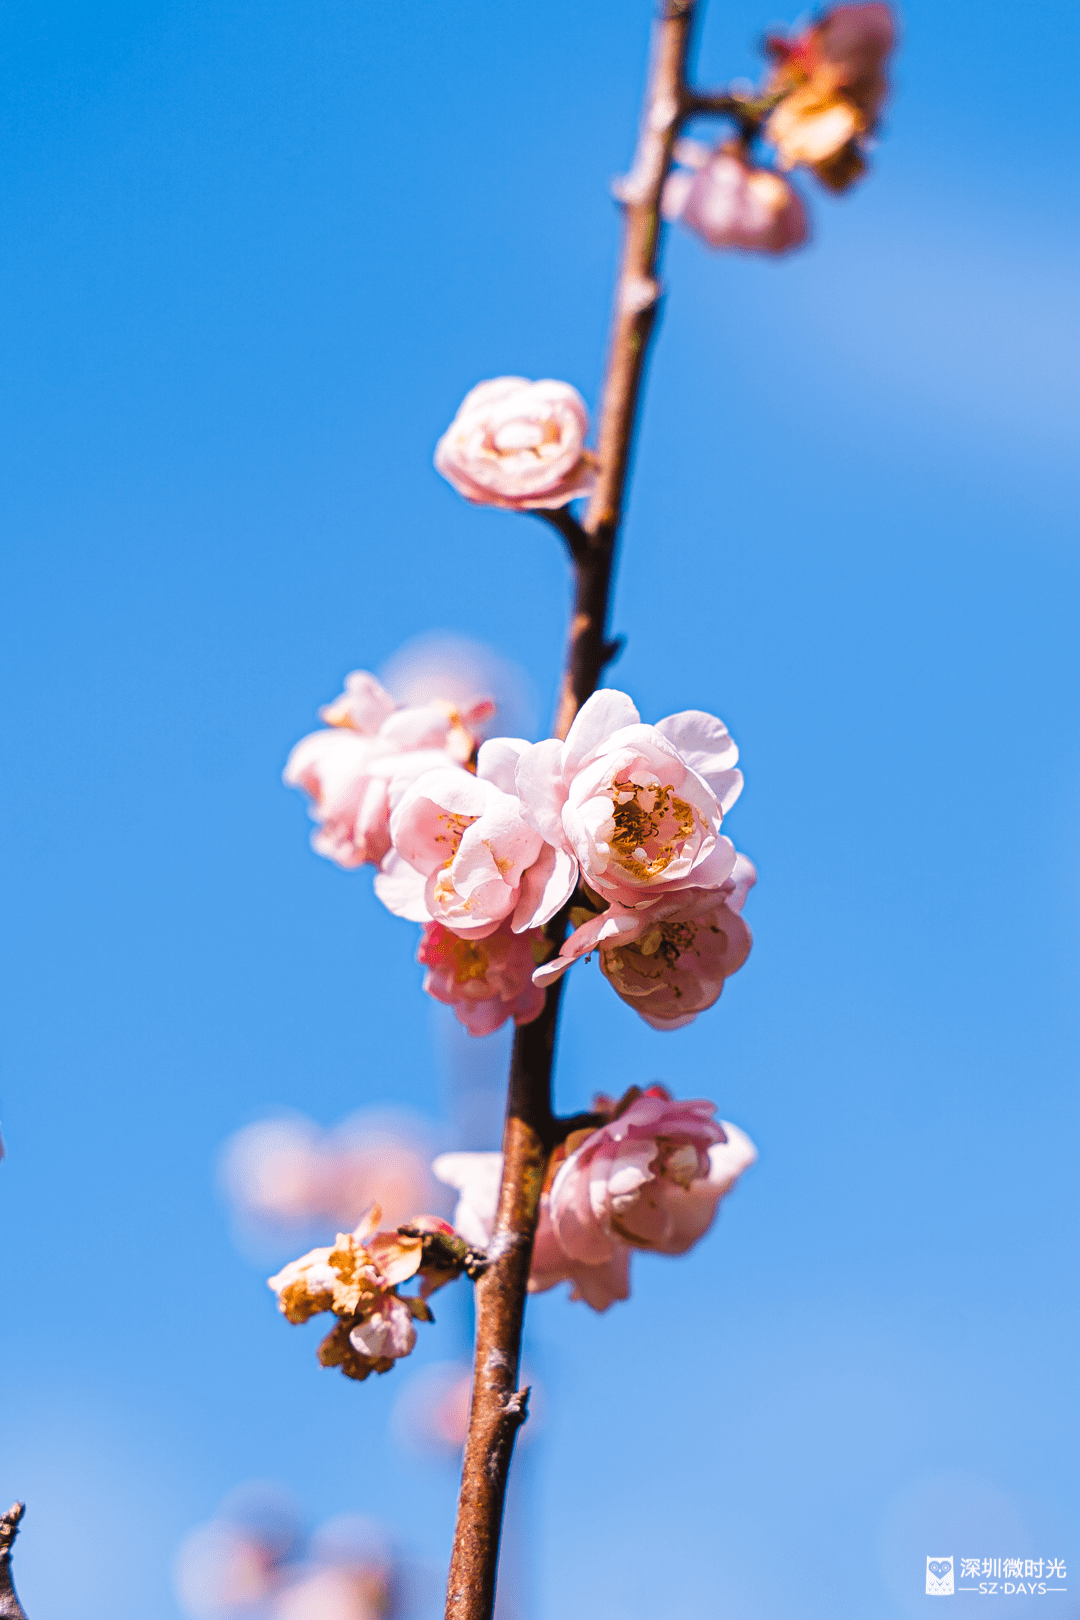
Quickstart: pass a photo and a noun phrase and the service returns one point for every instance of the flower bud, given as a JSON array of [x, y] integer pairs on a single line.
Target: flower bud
[[732, 203], [518, 444]]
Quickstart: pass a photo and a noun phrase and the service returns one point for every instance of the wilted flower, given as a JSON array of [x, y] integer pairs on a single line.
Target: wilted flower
[[349, 770], [476, 857], [358, 1279], [650, 1178], [732, 203], [637, 807], [486, 981], [834, 78], [518, 444], [668, 960]]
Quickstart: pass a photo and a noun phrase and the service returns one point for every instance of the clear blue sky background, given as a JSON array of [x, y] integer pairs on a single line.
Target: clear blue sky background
[[251, 256]]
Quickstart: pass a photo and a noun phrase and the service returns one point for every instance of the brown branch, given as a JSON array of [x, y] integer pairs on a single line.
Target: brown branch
[[10, 1607], [531, 1132], [637, 298]]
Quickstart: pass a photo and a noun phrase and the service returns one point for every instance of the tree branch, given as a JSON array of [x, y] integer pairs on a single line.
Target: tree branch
[[10, 1607], [531, 1132]]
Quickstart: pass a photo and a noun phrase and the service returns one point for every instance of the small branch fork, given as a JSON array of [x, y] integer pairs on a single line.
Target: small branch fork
[[531, 1131], [10, 1607]]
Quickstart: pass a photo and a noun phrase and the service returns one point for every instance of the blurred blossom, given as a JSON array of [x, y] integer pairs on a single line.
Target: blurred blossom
[[730, 202], [226, 1570], [518, 444], [233, 1565], [453, 669], [431, 1414], [833, 81], [287, 1178]]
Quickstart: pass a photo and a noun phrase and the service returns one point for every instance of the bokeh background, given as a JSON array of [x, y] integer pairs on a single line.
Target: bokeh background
[[251, 257]]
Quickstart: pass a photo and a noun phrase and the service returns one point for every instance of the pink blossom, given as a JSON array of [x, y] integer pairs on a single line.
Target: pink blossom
[[650, 1178], [637, 807], [349, 770], [468, 843], [668, 960], [476, 1177], [518, 444], [731, 203], [486, 981], [646, 1178]]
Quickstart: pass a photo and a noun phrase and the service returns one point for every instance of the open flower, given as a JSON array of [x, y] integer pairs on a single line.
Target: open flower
[[732, 203], [486, 981], [348, 770], [476, 1176], [649, 1178], [475, 858], [669, 961], [637, 807], [358, 1279], [834, 75], [645, 1178], [518, 444]]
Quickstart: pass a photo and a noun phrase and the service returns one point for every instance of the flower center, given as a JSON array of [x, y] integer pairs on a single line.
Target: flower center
[[455, 829], [651, 824], [470, 960]]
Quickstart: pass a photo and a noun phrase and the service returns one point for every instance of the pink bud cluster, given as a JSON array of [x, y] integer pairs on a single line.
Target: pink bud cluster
[[485, 844], [817, 109], [650, 1178]]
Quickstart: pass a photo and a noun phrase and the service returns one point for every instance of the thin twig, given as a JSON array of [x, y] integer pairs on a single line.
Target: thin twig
[[531, 1132], [10, 1607], [562, 519]]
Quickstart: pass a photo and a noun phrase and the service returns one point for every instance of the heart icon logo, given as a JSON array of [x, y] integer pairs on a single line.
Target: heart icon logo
[[939, 1567]]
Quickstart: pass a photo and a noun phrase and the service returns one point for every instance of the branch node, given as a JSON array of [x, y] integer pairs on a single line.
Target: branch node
[[613, 649], [517, 1406]]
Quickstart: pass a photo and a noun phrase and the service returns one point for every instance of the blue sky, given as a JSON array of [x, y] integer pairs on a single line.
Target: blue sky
[[253, 255]]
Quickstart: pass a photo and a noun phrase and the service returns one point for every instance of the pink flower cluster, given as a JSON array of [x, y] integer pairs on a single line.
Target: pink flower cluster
[[649, 1178], [825, 94], [485, 846]]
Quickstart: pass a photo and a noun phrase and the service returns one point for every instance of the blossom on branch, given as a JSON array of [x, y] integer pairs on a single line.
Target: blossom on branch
[[834, 78], [518, 444], [476, 860], [358, 1278], [731, 202], [646, 1178], [669, 960], [637, 807], [349, 770], [486, 981], [649, 1178]]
